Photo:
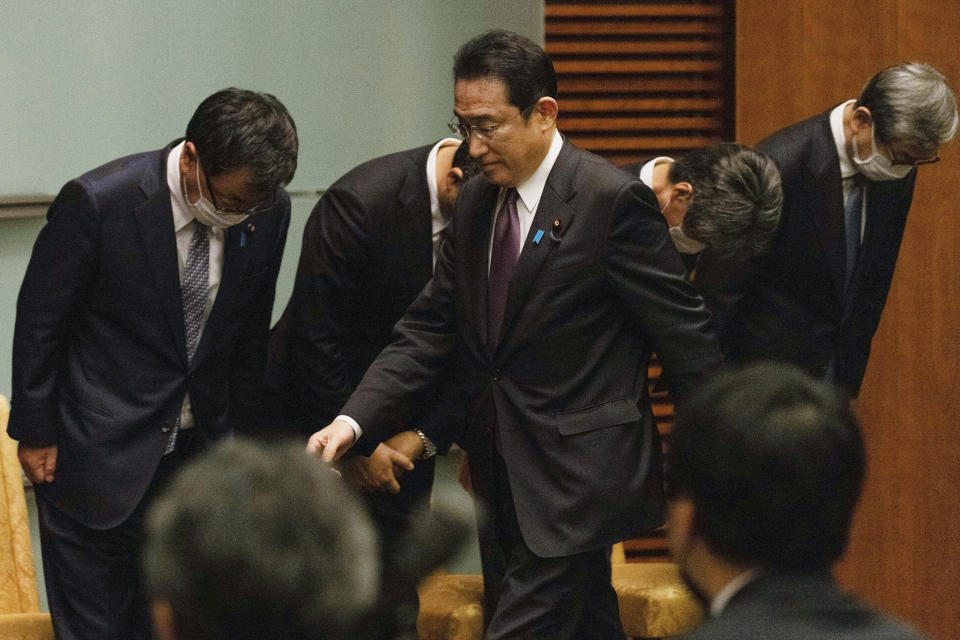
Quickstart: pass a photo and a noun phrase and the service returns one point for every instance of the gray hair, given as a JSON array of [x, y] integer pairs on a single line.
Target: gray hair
[[736, 201], [256, 541], [911, 101]]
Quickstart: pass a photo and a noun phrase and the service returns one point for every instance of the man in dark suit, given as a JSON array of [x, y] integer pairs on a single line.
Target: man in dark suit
[[765, 468], [848, 175], [141, 335], [556, 280], [368, 249]]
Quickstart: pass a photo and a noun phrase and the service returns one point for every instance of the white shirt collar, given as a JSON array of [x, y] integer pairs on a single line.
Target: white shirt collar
[[439, 222], [531, 189], [847, 168], [646, 171], [182, 216], [731, 589]]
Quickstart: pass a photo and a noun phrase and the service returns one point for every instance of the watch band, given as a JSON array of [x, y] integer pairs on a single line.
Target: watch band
[[429, 449]]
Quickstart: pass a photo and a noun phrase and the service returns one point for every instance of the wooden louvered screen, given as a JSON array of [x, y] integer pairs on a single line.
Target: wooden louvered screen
[[638, 79], [642, 78]]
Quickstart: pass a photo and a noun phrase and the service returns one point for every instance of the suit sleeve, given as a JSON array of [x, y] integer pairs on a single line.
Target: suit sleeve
[[648, 275], [327, 291], [250, 352], [62, 268], [410, 367]]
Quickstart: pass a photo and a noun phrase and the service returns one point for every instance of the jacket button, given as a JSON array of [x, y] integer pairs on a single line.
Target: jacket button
[[165, 428], [497, 374]]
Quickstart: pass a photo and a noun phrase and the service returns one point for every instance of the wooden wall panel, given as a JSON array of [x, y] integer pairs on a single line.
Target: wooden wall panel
[[643, 77], [795, 59]]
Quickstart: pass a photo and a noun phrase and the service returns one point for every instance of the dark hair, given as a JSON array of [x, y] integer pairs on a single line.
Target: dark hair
[[736, 201], [773, 462], [463, 161], [911, 101], [235, 129], [518, 62], [261, 543]]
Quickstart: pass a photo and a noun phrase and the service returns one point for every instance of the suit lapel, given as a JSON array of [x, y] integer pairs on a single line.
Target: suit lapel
[[155, 222], [552, 207], [238, 246], [825, 201]]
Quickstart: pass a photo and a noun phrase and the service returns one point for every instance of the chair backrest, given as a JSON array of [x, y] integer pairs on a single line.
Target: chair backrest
[[18, 579]]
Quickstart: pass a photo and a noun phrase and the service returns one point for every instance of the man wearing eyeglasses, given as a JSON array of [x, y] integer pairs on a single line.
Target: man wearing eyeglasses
[[141, 336], [557, 279], [816, 297]]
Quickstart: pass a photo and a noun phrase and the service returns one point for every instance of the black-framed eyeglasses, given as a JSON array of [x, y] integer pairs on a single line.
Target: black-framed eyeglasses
[[263, 206]]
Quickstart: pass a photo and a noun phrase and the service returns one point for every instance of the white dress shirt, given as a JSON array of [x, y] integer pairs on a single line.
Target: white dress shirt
[[183, 227], [847, 168], [732, 588], [646, 171], [439, 221], [529, 193]]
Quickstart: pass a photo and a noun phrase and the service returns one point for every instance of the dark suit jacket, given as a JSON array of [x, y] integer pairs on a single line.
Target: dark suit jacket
[[791, 302], [799, 607], [99, 356], [367, 252], [567, 382]]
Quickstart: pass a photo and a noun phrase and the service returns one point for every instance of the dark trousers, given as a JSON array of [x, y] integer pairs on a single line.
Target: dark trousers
[[93, 576], [526, 596], [394, 515]]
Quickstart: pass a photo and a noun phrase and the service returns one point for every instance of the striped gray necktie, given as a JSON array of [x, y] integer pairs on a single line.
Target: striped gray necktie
[[193, 292]]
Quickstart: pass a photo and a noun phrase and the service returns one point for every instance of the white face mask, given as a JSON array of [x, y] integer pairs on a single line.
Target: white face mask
[[684, 243], [206, 213], [878, 167]]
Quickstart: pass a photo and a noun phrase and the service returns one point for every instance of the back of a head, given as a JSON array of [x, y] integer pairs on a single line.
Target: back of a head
[[911, 102], [260, 542], [736, 201], [236, 128], [463, 161], [518, 62], [773, 462]]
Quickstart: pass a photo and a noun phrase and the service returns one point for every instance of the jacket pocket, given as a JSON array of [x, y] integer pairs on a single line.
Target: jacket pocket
[[597, 416], [87, 401]]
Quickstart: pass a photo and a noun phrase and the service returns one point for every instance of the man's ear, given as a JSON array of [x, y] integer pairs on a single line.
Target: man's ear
[[455, 176], [547, 109], [861, 118], [682, 191], [188, 157], [163, 626]]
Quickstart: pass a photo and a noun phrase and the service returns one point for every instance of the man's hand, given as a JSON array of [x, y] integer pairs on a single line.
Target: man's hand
[[380, 472], [39, 463], [332, 441], [408, 443]]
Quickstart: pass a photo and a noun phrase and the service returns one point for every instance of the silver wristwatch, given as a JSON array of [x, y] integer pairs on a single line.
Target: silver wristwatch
[[429, 449]]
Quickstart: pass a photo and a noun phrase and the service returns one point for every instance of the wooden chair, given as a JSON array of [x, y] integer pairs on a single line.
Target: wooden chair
[[654, 602], [20, 617]]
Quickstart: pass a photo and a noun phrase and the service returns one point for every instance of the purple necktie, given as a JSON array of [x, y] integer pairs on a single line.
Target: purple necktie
[[503, 260]]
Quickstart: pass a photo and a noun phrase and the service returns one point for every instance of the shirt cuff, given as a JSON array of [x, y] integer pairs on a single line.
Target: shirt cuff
[[357, 431]]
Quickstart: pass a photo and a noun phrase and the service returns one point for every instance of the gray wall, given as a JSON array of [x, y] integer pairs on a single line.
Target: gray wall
[[84, 82]]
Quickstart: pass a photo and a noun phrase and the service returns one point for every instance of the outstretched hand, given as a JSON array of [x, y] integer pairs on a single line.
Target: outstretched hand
[[332, 441]]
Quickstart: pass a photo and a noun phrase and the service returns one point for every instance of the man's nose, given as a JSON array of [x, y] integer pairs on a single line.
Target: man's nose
[[477, 146]]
